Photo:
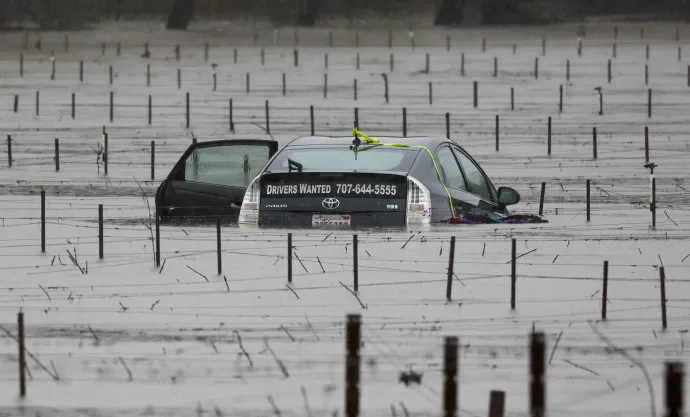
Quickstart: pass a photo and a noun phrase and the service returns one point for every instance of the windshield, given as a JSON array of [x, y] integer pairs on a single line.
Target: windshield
[[337, 158]]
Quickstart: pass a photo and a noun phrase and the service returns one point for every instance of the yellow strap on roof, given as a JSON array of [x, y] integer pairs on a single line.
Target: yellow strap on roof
[[376, 142]]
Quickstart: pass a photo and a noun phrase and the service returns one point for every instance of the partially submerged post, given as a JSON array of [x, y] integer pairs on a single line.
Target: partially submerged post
[[513, 272], [450, 370], [601, 100], [451, 262], [352, 365], [289, 257], [604, 290], [537, 375], [674, 389], [541, 198], [43, 221], [100, 231], [22, 355]]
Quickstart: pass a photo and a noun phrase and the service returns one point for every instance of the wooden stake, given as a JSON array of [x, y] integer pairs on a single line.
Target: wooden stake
[[22, 355], [497, 132], [649, 102], [605, 290], [404, 122], [497, 403], [355, 260], [450, 370], [153, 160], [451, 262], [385, 88], [57, 155], [9, 150], [106, 155], [311, 119], [218, 247], [538, 375], [646, 144], [541, 199], [548, 136], [187, 118], [231, 124], [674, 387], [475, 94], [352, 365], [513, 272], [325, 85], [112, 106], [608, 71], [100, 231], [158, 239], [652, 206], [289, 257], [43, 221], [150, 109], [662, 287]]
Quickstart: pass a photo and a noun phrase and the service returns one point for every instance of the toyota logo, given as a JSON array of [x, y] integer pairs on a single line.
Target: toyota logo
[[330, 203]]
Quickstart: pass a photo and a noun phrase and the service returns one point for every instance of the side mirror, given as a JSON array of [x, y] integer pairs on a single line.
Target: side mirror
[[507, 196]]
